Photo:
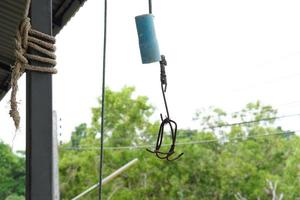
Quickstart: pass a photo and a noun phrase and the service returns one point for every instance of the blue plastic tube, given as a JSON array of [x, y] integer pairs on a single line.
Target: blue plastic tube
[[149, 48]]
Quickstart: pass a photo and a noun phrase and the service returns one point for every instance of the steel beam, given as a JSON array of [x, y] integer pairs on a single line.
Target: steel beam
[[39, 153]]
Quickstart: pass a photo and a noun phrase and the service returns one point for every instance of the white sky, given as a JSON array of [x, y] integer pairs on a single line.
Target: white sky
[[221, 53]]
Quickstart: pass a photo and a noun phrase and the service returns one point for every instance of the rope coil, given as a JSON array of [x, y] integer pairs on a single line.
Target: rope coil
[[28, 38]]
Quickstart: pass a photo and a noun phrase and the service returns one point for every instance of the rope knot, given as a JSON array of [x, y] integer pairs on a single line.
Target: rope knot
[[44, 45], [24, 30]]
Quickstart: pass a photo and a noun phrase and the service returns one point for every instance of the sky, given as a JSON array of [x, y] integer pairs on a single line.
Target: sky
[[220, 53]]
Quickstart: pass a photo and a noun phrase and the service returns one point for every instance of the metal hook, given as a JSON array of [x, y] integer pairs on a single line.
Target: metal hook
[[164, 121], [163, 76], [166, 155]]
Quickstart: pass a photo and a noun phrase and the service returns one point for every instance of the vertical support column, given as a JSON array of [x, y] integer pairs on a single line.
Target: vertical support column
[[39, 152], [55, 177]]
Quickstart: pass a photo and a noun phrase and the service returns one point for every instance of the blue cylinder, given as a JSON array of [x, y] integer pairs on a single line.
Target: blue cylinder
[[149, 48]]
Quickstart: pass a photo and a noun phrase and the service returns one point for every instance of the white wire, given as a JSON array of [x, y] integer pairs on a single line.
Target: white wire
[[244, 138]]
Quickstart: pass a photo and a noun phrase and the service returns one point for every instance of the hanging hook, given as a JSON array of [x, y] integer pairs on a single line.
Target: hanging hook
[[166, 155], [163, 75], [165, 121]]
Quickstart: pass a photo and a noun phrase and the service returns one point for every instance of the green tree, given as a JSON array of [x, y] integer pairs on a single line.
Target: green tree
[[255, 152], [12, 173], [218, 163], [125, 124], [223, 159], [79, 133], [15, 197]]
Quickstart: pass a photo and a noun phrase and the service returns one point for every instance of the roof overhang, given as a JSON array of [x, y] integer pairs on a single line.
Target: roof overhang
[[11, 14]]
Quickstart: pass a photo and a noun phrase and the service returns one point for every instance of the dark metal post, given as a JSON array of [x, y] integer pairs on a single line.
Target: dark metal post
[[39, 116]]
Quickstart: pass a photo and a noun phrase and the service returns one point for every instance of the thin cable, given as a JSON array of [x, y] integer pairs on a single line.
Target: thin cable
[[227, 125], [238, 123], [245, 138], [103, 102], [150, 6], [251, 122]]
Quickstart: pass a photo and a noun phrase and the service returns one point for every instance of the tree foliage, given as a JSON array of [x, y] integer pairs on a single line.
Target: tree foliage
[[242, 155], [12, 174], [226, 162]]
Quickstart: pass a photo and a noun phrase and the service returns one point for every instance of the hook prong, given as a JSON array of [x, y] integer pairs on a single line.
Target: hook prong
[[165, 121]]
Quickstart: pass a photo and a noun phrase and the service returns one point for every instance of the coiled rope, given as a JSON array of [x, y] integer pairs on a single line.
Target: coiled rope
[[30, 39]]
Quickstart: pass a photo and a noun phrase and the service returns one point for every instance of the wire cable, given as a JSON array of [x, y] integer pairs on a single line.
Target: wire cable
[[196, 142], [251, 122], [243, 138], [103, 102], [150, 6]]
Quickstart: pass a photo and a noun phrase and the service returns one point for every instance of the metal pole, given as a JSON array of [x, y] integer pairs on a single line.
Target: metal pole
[[39, 153], [56, 194], [107, 179]]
